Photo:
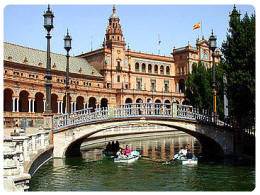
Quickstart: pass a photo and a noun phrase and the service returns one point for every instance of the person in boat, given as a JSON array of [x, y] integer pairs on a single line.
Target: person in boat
[[108, 147], [119, 153], [181, 154], [113, 146], [184, 151], [117, 146], [127, 151], [189, 155]]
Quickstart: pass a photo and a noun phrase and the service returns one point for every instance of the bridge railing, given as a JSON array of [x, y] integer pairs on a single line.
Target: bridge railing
[[132, 110]]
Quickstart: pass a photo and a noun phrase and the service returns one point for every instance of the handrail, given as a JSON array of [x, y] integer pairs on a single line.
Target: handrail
[[134, 110]]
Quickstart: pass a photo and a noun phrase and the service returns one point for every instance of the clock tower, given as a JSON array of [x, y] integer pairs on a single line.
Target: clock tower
[[114, 34]]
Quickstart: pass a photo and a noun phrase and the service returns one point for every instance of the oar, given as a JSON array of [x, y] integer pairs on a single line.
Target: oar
[[145, 156]]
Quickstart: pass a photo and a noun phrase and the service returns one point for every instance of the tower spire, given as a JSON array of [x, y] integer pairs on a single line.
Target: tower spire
[[114, 9]]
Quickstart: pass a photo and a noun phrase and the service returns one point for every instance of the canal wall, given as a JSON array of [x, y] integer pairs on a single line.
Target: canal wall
[[23, 155]]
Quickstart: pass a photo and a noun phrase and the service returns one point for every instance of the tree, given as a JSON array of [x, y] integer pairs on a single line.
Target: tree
[[239, 66], [199, 88]]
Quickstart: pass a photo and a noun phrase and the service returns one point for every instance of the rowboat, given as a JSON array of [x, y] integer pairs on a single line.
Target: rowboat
[[109, 154], [131, 158], [185, 161], [189, 161]]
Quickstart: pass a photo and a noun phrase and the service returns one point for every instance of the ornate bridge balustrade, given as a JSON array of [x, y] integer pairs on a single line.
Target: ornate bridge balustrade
[[133, 110]]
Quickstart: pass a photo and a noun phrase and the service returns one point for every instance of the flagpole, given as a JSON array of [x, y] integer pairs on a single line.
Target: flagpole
[[201, 28]]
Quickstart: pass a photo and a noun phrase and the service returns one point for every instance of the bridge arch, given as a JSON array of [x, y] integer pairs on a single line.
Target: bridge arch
[[213, 139]]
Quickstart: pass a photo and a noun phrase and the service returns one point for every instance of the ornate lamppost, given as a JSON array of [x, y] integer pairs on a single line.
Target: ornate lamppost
[[48, 25], [67, 47], [212, 47]]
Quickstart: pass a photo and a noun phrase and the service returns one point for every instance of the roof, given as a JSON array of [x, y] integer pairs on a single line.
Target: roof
[[36, 57]]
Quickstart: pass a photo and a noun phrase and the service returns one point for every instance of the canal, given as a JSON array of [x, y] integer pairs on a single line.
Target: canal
[[152, 172]]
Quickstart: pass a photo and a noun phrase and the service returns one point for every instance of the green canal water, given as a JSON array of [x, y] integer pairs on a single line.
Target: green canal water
[[153, 172]]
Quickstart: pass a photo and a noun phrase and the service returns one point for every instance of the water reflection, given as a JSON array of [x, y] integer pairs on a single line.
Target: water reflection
[[158, 148], [146, 174]]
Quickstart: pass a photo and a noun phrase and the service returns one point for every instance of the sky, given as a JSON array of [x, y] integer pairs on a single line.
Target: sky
[[142, 25]]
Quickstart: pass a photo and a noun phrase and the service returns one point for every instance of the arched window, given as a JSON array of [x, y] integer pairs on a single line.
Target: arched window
[[156, 69], [104, 103], [143, 67], [167, 70], [162, 70], [136, 67], [149, 68]]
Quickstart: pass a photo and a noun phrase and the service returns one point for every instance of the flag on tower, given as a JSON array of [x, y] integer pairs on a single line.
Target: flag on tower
[[196, 26]]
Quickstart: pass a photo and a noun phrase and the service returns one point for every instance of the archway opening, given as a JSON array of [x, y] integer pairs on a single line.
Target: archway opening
[[64, 104], [54, 103], [128, 101], [104, 103], [92, 104], [23, 101], [38, 104], [157, 107], [8, 102], [79, 103], [181, 86]]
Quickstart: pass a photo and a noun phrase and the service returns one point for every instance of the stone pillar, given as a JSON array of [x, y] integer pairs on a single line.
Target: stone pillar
[[30, 102], [72, 106], [75, 106], [33, 109], [84, 105], [14, 100], [62, 108], [44, 105], [58, 107], [25, 150], [33, 144], [47, 121], [42, 140], [174, 109], [17, 105]]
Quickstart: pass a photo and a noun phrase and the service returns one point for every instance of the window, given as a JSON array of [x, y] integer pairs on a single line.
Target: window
[[118, 67], [136, 67], [155, 69], [139, 83], [149, 68], [16, 73], [166, 85], [126, 86], [183, 72], [153, 84], [167, 70], [143, 68], [161, 70], [118, 78]]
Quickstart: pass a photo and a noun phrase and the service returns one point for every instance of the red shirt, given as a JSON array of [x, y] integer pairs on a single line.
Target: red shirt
[[127, 151]]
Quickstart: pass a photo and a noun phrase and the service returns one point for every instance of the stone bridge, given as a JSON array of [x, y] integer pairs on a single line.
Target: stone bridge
[[23, 155], [70, 130]]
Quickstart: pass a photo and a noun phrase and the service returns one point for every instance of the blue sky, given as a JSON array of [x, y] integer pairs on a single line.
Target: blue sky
[[141, 24]]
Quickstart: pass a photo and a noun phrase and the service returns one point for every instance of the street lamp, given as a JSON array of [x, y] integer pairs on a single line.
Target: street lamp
[[212, 47], [67, 47], [48, 25]]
